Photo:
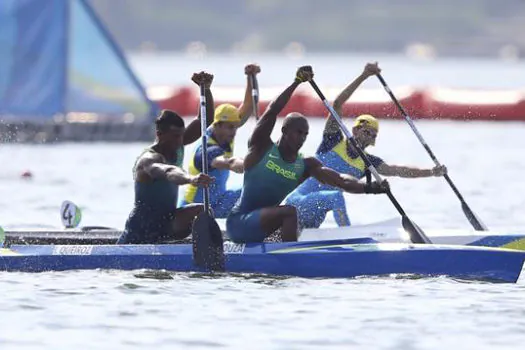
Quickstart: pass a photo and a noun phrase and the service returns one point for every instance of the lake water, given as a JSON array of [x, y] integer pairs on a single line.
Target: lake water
[[332, 70], [110, 309]]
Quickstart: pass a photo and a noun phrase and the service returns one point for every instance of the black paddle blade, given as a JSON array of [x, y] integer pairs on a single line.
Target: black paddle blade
[[472, 218], [208, 252], [415, 232]]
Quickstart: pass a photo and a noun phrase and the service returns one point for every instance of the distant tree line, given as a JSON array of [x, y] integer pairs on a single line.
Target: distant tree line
[[461, 27]]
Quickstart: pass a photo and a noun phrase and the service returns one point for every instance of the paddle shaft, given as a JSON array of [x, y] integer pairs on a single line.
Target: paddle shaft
[[255, 95], [204, 137], [417, 235], [352, 140], [476, 222], [208, 251]]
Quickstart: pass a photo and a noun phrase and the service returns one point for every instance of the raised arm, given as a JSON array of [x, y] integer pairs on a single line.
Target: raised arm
[[331, 126], [345, 182], [261, 136], [246, 108], [193, 130]]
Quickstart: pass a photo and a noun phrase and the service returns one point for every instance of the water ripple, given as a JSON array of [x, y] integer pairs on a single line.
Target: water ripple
[[146, 309]]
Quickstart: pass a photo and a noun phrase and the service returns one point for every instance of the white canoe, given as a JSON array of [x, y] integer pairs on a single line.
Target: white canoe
[[388, 231], [391, 231]]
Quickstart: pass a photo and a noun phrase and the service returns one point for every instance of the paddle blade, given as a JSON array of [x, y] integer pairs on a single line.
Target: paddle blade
[[415, 232], [208, 250], [472, 218]]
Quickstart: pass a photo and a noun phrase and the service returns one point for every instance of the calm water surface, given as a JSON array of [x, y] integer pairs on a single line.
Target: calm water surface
[[110, 309]]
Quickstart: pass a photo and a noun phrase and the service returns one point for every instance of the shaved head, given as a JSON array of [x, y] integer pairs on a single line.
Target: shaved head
[[294, 131], [294, 120]]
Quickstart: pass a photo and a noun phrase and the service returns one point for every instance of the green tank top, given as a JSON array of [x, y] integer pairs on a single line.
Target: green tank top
[[158, 196], [180, 157], [269, 181]]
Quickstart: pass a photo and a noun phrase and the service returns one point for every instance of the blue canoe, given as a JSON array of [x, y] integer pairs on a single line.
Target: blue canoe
[[330, 259]]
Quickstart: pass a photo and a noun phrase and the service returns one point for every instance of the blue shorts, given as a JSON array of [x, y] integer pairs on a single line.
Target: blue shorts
[[312, 207], [224, 204], [221, 203], [245, 227], [146, 227]]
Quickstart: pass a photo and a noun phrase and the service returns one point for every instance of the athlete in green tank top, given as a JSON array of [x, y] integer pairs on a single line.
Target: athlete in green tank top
[[221, 159], [273, 170], [158, 174]]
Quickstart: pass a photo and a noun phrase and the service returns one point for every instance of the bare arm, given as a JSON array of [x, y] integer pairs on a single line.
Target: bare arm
[[246, 108], [193, 130], [153, 165], [333, 178], [234, 164], [260, 138], [405, 171], [341, 99], [331, 126]]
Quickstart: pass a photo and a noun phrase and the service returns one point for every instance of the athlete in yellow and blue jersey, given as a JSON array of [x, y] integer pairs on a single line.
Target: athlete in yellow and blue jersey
[[314, 199], [273, 170], [221, 135]]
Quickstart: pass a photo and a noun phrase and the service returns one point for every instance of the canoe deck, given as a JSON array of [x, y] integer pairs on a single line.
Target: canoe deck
[[389, 232]]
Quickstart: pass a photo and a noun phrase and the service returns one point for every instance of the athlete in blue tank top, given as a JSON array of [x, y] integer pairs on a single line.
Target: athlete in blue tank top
[[314, 199], [273, 170], [158, 174], [221, 134]]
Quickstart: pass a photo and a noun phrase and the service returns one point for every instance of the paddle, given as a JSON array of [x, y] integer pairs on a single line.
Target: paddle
[[207, 236], [416, 234], [472, 218], [255, 95]]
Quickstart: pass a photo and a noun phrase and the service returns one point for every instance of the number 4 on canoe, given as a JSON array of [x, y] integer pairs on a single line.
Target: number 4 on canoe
[[70, 214]]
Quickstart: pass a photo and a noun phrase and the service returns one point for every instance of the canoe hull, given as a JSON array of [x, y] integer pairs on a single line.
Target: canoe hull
[[389, 231], [328, 259]]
